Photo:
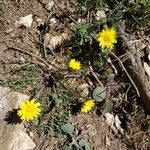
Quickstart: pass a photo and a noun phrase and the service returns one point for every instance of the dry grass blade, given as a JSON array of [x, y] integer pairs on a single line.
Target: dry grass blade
[[48, 66]]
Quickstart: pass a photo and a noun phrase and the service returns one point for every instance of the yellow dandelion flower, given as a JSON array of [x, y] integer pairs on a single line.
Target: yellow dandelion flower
[[87, 105], [29, 110], [107, 38], [74, 64]]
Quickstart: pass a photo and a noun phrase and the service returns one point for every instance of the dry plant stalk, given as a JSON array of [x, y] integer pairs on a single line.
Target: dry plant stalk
[[139, 75]]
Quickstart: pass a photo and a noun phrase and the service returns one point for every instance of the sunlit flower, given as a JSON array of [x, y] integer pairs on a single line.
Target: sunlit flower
[[74, 64], [29, 110], [87, 105], [107, 38]]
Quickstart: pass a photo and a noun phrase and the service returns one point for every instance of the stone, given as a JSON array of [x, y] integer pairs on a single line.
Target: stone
[[52, 42], [85, 89], [49, 5], [25, 21], [52, 20], [101, 16], [21, 141], [13, 135], [44, 1]]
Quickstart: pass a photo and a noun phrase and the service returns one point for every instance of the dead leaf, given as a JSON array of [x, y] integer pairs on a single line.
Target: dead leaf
[[52, 42]]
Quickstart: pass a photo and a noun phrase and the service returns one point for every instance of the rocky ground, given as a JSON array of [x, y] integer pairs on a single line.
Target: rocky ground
[[34, 58]]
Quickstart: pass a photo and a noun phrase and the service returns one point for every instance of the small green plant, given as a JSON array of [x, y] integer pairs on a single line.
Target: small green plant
[[83, 32], [20, 78], [135, 13], [1, 3], [86, 5], [99, 94], [78, 143], [67, 128], [100, 63], [146, 3], [82, 61], [56, 109]]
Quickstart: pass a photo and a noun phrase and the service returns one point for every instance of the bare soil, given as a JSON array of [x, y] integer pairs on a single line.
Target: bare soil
[[135, 122]]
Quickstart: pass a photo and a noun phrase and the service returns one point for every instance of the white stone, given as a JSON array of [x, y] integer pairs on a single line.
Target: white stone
[[40, 22], [53, 20], [149, 57], [101, 16], [118, 124], [85, 89], [21, 141], [22, 59], [12, 136], [81, 20], [50, 5], [52, 42], [25, 21]]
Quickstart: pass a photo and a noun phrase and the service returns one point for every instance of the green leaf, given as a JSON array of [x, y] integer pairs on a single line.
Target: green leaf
[[84, 144], [51, 131], [99, 94], [83, 8], [108, 106], [55, 99], [38, 94], [67, 128]]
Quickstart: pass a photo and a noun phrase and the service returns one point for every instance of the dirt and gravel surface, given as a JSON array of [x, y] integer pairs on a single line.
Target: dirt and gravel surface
[[16, 45]]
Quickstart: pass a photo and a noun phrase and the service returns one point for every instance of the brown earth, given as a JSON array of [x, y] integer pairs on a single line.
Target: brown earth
[[136, 125]]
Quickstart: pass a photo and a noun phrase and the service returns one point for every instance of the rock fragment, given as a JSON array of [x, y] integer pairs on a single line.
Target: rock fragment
[[13, 135], [101, 16], [25, 21]]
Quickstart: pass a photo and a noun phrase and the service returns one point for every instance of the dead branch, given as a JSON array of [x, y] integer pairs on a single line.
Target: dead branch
[[124, 69], [48, 66]]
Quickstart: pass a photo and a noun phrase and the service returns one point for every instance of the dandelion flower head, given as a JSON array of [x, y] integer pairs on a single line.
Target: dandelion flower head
[[107, 38], [87, 105], [74, 64], [29, 110]]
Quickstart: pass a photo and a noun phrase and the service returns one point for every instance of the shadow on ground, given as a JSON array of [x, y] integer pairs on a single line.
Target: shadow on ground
[[12, 117]]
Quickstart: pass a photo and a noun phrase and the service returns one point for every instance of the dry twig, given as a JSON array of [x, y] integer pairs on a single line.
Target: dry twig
[[124, 69], [48, 66], [95, 76]]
